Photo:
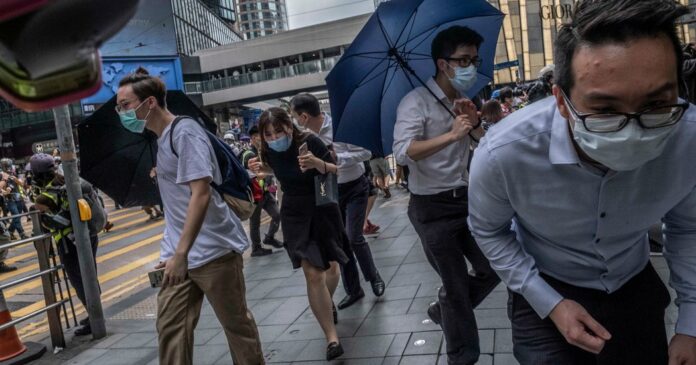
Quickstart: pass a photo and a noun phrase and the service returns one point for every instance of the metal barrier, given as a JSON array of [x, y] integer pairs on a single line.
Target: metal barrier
[[47, 272]]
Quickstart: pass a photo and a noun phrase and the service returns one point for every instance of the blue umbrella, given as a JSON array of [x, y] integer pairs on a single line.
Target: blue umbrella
[[391, 56]]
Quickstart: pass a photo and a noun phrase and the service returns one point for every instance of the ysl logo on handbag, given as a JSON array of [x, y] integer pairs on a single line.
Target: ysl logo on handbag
[[322, 189]]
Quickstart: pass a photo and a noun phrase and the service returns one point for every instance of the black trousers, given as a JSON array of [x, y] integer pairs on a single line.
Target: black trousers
[[441, 223], [270, 205], [68, 257], [633, 315], [352, 198]]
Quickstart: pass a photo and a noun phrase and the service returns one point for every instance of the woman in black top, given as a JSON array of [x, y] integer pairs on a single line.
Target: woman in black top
[[314, 235]]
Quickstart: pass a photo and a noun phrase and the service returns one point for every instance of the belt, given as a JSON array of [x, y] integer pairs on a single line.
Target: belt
[[456, 193]]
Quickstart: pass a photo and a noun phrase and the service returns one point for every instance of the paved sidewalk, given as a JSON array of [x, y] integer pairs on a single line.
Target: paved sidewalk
[[393, 329]]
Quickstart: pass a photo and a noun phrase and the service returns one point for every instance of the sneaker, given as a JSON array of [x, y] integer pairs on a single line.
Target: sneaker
[[387, 193], [271, 241], [6, 268], [261, 252], [84, 330], [108, 226]]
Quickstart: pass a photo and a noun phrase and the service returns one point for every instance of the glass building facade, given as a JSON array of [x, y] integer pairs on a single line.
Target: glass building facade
[[198, 27], [258, 18], [529, 30], [225, 9]]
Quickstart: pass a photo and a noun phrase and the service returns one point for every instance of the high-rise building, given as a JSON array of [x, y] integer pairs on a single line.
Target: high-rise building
[[199, 26], [225, 9], [258, 18]]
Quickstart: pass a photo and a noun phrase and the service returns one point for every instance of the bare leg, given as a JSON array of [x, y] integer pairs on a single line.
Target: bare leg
[[332, 277], [320, 300]]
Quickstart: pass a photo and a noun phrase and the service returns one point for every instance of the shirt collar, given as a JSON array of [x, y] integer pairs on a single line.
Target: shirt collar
[[435, 88], [561, 148]]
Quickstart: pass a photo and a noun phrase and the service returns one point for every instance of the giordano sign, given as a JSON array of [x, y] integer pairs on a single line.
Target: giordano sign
[[560, 11]]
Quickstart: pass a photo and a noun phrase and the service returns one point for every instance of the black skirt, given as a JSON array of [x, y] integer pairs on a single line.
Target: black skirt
[[311, 233]]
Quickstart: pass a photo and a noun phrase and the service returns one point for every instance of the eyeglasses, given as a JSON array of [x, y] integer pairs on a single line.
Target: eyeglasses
[[122, 106], [466, 61], [650, 118]]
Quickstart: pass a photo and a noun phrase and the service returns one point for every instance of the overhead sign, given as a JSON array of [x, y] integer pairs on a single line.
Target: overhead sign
[[504, 65]]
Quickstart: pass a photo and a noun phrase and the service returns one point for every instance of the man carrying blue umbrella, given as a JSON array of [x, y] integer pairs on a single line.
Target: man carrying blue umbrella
[[435, 146]]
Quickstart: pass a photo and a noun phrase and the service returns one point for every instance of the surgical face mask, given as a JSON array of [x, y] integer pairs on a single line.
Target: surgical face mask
[[464, 78], [131, 122], [624, 150], [281, 144]]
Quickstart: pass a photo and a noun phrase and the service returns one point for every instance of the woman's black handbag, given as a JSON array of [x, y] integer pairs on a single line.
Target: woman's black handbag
[[326, 189]]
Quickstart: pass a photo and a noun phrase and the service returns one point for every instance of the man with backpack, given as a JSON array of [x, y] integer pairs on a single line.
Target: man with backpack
[[52, 200], [265, 200], [201, 252]]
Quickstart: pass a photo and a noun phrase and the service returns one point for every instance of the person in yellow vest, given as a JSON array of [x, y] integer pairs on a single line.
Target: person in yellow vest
[[52, 200]]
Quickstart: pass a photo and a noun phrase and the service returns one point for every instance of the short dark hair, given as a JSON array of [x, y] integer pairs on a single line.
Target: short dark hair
[[305, 103], [253, 130], [505, 93], [597, 22], [446, 42], [145, 86]]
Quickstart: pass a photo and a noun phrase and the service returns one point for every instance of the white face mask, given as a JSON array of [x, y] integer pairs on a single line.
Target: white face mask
[[623, 150], [464, 78]]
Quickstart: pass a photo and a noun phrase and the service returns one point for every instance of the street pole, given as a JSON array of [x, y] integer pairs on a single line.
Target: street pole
[[83, 244]]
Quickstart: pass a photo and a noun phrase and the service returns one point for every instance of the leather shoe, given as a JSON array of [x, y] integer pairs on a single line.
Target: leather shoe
[[6, 268], [434, 312], [378, 286], [271, 241], [350, 300], [333, 351], [261, 252]]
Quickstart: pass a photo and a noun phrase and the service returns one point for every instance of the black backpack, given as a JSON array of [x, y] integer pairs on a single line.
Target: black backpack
[[236, 188]]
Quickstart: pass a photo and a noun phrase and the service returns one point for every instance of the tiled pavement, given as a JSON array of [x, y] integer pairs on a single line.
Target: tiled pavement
[[393, 329]]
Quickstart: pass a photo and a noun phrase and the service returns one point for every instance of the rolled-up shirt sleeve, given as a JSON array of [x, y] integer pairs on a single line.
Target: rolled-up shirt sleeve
[[680, 252], [409, 126], [348, 154], [490, 219]]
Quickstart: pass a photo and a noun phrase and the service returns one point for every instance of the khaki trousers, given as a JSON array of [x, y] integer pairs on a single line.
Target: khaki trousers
[[179, 307]]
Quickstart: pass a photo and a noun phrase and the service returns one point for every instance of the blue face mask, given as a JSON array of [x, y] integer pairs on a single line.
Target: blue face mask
[[281, 144], [131, 122], [464, 78]]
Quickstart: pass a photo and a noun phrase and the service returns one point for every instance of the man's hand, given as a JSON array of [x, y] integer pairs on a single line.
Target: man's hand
[[461, 127], [466, 107], [175, 270], [682, 350], [578, 327]]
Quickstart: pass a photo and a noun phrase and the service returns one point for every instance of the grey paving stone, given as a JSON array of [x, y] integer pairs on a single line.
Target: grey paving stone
[[264, 308], [264, 288], [503, 340], [136, 340], [485, 360], [400, 253], [109, 340], [388, 261], [272, 273], [390, 308], [396, 324], [269, 334], [312, 331], [291, 309], [283, 351], [218, 339], [210, 354], [496, 299], [419, 360], [420, 305], [285, 291], [492, 318], [424, 343], [393, 360], [208, 322], [399, 344], [504, 359], [354, 347], [429, 289], [415, 268], [87, 357], [126, 356]]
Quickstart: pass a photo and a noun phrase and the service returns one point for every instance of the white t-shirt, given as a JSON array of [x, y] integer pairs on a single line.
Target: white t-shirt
[[222, 231]]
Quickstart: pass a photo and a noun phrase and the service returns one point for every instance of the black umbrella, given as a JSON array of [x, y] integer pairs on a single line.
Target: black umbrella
[[117, 161]]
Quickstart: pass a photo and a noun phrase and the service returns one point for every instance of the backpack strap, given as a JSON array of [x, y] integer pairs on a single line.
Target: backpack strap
[[171, 133]]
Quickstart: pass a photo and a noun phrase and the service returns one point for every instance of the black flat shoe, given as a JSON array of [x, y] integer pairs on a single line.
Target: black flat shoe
[[378, 286], [350, 300], [434, 312], [333, 351], [335, 314]]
